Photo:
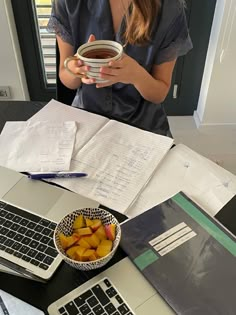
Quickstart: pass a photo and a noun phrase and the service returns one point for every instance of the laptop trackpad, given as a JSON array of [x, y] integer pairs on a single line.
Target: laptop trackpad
[[33, 195], [154, 303]]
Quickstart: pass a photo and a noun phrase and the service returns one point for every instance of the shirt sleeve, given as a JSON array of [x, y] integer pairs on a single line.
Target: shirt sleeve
[[176, 41], [59, 21]]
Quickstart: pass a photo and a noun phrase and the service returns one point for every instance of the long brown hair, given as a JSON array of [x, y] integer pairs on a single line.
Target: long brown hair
[[139, 19]]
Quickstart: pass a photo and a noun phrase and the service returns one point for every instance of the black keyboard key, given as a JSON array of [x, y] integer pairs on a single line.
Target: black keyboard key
[[123, 309], [99, 293], [39, 228], [111, 292], [41, 248], [98, 310], [24, 249], [40, 256], [3, 230], [22, 230], [119, 299], [17, 254], [2, 220], [45, 240], [85, 309], [46, 231], [2, 239], [44, 222], [110, 308], [52, 225], [9, 216], [107, 283], [80, 300], [34, 262], [16, 219], [16, 246], [61, 310], [51, 252], [37, 236], [31, 225], [71, 308], [18, 237], [48, 260], [24, 222], [43, 266], [7, 224], [26, 240], [92, 301], [2, 247], [3, 213], [11, 234], [26, 258], [8, 242], [32, 253], [33, 244], [30, 233], [15, 227], [9, 250]]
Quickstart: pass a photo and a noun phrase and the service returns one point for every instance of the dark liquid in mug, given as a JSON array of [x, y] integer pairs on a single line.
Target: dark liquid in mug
[[100, 54]]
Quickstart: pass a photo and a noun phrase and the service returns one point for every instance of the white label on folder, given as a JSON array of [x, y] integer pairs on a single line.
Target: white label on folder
[[172, 238], [177, 243], [168, 233]]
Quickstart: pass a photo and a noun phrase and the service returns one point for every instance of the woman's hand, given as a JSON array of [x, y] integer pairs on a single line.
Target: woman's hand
[[124, 70], [78, 68]]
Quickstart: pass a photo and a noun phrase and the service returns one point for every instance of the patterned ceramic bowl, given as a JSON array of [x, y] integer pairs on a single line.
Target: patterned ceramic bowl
[[65, 226]]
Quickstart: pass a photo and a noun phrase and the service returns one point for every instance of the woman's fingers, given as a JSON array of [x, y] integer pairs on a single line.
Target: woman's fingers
[[91, 38]]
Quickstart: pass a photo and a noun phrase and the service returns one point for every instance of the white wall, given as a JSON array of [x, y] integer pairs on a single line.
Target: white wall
[[11, 66], [217, 101]]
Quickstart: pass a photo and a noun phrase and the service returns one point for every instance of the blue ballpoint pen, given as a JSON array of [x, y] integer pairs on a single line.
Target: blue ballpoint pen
[[56, 175]]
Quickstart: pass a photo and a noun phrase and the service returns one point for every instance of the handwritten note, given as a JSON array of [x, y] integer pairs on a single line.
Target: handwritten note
[[119, 159], [37, 146]]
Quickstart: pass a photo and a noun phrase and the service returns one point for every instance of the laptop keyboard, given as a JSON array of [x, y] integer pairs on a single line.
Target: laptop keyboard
[[101, 299], [27, 236]]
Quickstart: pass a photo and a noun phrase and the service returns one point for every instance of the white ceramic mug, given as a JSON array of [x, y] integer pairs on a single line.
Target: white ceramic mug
[[96, 54]]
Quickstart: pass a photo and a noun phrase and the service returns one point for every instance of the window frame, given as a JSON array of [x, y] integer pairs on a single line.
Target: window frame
[[26, 25]]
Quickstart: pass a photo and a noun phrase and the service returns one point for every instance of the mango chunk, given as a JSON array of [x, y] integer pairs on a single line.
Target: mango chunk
[[104, 248], [67, 241], [79, 222]]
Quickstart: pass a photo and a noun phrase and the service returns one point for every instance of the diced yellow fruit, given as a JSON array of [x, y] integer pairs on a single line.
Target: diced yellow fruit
[[87, 254], [88, 222], [101, 233], [84, 231], [93, 256], [104, 248], [82, 242], [110, 231], [79, 252], [96, 224], [67, 241], [71, 251], [79, 222], [93, 240]]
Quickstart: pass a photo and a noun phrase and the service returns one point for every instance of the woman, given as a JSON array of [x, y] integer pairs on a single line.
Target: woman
[[153, 33]]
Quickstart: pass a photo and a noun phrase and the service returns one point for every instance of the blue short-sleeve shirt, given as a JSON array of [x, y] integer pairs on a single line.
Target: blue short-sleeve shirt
[[75, 20]]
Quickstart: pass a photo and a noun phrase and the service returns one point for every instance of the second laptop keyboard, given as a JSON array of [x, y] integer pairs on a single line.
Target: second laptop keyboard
[[101, 299], [27, 236]]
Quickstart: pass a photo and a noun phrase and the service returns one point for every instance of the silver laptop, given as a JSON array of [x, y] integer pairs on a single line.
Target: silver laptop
[[122, 290], [29, 211]]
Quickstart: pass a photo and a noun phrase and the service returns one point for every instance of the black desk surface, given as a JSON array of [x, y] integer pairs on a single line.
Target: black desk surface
[[66, 278]]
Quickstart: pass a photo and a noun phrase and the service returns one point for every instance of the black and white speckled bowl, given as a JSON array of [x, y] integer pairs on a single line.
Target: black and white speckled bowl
[[65, 226]]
